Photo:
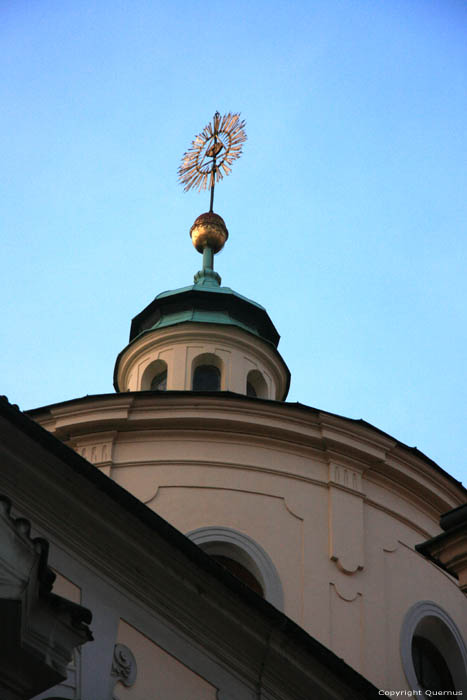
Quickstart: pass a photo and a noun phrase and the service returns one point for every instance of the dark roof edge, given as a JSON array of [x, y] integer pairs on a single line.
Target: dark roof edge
[[230, 395], [80, 616], [149, 518], [221, 295], [452, 522], [424, 549], [456, 516]]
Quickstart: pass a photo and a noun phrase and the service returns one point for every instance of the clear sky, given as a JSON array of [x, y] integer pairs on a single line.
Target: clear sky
[[347, 212]]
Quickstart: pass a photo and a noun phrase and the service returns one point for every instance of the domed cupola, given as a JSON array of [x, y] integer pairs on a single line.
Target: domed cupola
[[205, 337]]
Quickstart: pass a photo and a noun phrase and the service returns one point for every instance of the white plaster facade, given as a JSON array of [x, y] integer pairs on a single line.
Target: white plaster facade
[[168, 621], [336, 505]]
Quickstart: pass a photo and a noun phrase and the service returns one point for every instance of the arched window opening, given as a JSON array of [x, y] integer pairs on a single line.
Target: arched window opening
[[256, 385], [206, 378], [430, 666], [207, 371], [244, 558], [159, 383], [240, 572], [155, 376]]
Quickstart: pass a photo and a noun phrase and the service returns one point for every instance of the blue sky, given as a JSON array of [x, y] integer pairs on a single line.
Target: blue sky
[[347, 212]]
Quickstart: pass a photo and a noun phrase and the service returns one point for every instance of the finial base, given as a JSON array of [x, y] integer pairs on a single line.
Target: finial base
[[207, 278]]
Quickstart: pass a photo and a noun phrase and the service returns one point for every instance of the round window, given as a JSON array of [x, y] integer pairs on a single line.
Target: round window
[[433, 652]]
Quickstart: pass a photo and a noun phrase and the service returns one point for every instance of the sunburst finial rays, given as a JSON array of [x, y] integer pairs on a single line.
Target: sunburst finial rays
[[212, 153]]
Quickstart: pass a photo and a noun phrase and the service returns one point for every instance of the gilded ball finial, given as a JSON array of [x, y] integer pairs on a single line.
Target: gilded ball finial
[[209, 231]]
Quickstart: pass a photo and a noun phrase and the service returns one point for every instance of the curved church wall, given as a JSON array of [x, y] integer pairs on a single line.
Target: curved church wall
[[240, 356], [337, 506]]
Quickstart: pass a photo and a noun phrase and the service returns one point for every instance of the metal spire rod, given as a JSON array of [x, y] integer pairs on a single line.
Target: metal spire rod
[[212, 196]]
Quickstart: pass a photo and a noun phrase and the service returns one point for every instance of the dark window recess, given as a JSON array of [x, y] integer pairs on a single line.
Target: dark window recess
[[430, 666], [206, 378], [240, 572], [159, 383], [250, 390]]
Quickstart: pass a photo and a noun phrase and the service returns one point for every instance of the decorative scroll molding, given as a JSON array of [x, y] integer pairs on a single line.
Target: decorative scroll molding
[[346, 519], [346, 618], [391, 548], [123, 667], [345, 591]]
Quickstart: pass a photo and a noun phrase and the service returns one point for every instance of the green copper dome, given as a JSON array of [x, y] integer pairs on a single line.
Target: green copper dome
[[206, 301], [205, 304]]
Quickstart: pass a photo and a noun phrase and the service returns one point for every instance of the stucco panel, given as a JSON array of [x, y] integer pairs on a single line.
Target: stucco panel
[[158, 673]]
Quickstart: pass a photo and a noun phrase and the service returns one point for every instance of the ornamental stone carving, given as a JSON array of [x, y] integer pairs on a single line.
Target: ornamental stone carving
[[123, 667]]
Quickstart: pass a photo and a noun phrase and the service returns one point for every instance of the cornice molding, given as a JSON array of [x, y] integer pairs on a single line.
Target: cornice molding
[[293, 429]]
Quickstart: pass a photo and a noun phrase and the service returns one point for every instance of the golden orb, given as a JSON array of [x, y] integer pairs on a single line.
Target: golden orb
[[209, 231]]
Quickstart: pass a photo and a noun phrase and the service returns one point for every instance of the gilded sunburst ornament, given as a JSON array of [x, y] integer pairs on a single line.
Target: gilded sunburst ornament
[[212, 153]]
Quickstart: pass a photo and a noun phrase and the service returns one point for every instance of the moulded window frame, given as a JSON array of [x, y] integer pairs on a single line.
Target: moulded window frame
[[208, 358], [231, 543], [428, 612], [153, 369]]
